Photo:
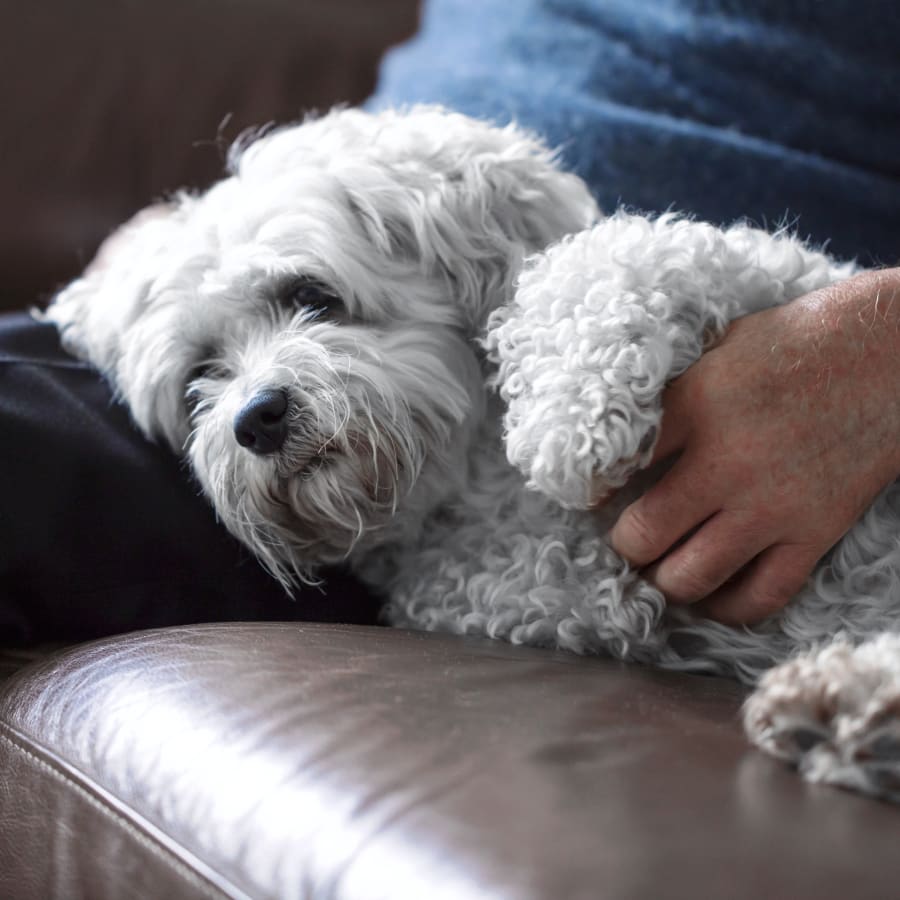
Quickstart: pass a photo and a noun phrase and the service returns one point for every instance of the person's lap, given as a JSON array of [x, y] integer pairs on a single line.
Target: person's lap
[[767, 111]]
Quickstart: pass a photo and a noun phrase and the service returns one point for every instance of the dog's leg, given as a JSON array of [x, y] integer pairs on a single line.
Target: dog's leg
[[602, 321], [835, 714], [512, 565]]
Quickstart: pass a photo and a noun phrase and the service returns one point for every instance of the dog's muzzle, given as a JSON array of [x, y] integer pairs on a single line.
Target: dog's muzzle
[[261, 424]]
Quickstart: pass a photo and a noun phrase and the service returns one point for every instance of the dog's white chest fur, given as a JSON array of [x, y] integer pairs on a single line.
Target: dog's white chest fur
[[346, 341]]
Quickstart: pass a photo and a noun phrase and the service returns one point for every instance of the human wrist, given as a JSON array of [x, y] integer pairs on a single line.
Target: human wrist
[[850, 338], [870, 307]]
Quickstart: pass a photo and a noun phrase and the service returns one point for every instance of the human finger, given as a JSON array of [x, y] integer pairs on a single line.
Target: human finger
[[722, 546], [674, 426], [766, 586], [647, 528]]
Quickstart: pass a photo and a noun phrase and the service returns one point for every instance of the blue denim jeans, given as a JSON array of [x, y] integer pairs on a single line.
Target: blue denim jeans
[[770, 111]]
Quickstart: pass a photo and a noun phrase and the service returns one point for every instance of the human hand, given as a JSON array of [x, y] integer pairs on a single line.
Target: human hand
[[787, 430]]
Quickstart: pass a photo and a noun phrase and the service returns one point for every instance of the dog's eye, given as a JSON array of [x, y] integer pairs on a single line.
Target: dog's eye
[[207, 368], [203, 370], [312, 295]]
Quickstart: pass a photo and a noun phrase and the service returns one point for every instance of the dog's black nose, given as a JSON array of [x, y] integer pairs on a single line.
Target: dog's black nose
[[261, 424]]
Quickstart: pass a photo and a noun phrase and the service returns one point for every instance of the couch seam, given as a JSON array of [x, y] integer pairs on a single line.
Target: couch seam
[[147, 841], [8, 359]]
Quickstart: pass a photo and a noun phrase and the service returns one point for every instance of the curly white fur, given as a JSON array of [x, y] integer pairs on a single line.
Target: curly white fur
[[484, 362]]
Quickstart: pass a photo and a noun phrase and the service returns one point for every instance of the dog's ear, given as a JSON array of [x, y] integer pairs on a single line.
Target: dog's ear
[[471, 200], [119, 314], [95, 310], [458, 200]]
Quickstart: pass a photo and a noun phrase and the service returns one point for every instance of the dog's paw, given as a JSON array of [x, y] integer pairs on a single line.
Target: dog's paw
[[583, 354], [835, 715]]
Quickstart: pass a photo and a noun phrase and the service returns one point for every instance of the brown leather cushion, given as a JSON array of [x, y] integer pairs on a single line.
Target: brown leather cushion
[[282, 760], [108, 105]]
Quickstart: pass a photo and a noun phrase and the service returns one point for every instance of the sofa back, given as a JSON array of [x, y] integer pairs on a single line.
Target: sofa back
[[107, 106]]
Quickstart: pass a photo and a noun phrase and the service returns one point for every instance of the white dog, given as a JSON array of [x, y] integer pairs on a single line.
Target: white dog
[[343, 340]]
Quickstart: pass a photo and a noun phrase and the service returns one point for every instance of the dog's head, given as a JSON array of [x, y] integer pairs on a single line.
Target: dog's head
[[304, 331]]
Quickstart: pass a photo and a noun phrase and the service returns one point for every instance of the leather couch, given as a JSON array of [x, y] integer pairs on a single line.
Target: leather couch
[[324, 760]]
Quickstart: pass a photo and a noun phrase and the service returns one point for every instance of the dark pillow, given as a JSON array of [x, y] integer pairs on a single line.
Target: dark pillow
[[768, 110], [103, 532]]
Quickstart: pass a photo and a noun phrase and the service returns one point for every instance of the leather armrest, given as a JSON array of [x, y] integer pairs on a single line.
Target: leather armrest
[[277, 760]]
